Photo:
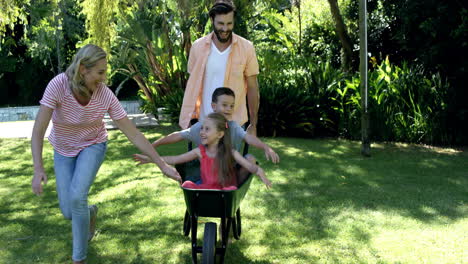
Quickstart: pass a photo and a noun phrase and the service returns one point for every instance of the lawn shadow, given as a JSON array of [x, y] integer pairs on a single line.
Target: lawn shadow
[[320, 180]]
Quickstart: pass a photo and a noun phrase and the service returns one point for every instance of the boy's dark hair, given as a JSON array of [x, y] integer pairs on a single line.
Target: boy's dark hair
[[221, 91], [222, 7]]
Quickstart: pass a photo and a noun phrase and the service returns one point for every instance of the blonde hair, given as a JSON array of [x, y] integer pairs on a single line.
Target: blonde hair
[[88, 56], [225, 159]]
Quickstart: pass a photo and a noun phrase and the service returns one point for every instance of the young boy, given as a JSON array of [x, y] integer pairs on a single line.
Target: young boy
[[222, 102]]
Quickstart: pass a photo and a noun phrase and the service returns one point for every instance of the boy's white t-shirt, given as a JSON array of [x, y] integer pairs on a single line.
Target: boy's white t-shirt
[[214, 77]]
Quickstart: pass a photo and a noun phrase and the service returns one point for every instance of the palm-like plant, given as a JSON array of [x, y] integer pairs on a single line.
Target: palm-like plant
[[149, 51]]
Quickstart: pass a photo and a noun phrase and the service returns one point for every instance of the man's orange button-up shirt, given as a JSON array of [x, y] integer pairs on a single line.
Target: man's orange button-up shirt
[[242, 63]]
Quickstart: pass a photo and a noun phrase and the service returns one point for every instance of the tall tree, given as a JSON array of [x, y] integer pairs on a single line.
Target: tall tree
[[193, 16], [185, 6], [58, 33], [342, 32], [99, 21], [297, 3]]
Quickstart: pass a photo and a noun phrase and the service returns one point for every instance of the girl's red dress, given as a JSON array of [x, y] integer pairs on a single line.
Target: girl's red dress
[[209, 174]]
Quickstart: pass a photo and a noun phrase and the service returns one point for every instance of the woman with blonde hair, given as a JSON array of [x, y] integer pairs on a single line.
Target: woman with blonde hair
[[77, 101]]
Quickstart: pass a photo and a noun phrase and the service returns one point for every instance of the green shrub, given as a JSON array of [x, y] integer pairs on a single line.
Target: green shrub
[[284, 111], [293, 96], [405, 104], [170, 104]]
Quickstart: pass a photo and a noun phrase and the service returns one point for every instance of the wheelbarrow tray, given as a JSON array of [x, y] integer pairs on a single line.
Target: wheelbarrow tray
[[224, 204], [208, 202]]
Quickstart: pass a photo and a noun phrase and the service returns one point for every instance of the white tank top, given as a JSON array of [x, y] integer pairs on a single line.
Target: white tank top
[[214, 77]]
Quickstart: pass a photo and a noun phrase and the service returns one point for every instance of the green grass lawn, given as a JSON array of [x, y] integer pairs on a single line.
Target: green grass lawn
[[328, 204]]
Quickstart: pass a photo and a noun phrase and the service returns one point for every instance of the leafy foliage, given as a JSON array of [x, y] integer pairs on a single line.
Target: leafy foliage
[[33, 53], [100, 22], [406, 104], [172, 104], [12, 12], [149, 48], [293, 96], [417, 98]]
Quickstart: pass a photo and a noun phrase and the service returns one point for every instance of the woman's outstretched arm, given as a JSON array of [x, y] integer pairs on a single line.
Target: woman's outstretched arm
[[37, 143], [137, 138]]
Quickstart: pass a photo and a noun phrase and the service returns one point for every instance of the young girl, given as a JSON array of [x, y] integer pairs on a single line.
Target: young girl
[[217, 157]]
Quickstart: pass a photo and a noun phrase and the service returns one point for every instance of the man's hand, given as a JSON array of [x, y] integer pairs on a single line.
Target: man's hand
[[252, 130], [39, 177], [141, 159], [172, 173], [270, 154]]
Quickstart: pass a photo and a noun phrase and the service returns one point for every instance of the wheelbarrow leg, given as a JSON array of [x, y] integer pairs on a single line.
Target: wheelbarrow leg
[[225, 232], [194, 220], [239, 223], [186, 223]]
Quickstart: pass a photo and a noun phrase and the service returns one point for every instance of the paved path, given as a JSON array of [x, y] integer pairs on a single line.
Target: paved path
[[23, 129]]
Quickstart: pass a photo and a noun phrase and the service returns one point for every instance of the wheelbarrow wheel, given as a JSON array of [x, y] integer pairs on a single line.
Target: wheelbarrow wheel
[[209, 244], [186, 224]]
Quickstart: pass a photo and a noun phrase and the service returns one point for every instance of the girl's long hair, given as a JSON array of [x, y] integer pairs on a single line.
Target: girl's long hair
[[224, 155], [88, 56]]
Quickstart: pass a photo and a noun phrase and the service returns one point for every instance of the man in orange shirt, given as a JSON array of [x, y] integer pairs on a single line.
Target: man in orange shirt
[[221, 59]]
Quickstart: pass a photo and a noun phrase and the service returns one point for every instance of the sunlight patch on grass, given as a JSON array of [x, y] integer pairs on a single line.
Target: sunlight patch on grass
[[258, 251], [435, 149], [415, 244], [121, 191], [428, 210], [294, 151], [5, 191]]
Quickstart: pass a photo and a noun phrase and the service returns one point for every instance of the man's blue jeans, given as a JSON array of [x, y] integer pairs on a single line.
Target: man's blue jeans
[[74, 176]]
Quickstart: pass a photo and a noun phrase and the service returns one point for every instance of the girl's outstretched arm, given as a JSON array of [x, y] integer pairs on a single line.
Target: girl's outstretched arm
[[191, 155], [252, 168], [188, 156]]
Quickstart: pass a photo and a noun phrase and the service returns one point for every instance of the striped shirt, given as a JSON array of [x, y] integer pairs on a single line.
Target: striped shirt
[[75, 126]]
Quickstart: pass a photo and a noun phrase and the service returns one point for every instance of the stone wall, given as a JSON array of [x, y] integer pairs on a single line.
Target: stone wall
[[24, 113]]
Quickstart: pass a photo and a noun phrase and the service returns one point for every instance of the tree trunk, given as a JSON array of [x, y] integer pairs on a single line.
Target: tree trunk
[[140, 81], [365, 147], [298, 3], [342, 34], [185, 7], [58, 35]]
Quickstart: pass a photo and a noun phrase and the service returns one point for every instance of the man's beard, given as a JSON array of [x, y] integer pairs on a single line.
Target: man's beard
[[217, 33]]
